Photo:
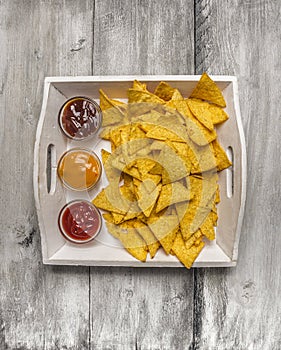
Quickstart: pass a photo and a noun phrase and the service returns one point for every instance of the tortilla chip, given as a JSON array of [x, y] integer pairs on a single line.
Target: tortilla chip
[[108, 217], [174, 168], [221, 158], [151, 241], [117, 218], [151, 117], [206, 89], [201, 157], [186, 256], [144, 165], [128, 192], [218, 115], [111, 199], [107, 103], [171, 194], [137, 85], [165, 229], [195, 130], [101, 201], [148, 198], [114, 111], [161, 133], [201, 111], [207, 227], [164, 91], [131, 241], [139, 96], [189, 243], [139, 108], [177, 95], [217, 196]]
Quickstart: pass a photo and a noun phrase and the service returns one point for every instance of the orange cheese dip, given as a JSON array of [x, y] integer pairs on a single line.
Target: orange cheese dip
[[79, 169]]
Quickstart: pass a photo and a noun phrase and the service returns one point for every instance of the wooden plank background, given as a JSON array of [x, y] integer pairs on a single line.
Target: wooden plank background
[[45, 307]]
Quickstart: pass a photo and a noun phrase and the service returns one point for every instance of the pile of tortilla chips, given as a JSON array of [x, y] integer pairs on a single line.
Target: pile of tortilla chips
[[162, 168]]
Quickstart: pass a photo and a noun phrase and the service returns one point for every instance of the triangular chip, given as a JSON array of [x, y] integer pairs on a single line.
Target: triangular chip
[[201, 111], [189, 243], [172, 193], [195, 130], [221, 158], [147, 197], [111, 200], [114, 111], [139, 96], [152, 243], [218, 115], [131, 241], [164, 229], [137, 85], [207, 89], [164, 91], [186, 256], [174, 168], [207, 227], [101, 201], [107, 103], [162, 133]]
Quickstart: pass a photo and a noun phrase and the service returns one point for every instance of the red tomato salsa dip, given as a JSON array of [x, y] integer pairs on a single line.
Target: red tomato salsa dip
[[80, 117], [79, 221]]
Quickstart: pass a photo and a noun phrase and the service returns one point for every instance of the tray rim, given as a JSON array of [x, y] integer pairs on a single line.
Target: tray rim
[[128, 78]]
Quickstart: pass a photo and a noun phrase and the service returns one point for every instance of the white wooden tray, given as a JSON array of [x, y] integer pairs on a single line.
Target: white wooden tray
[[104, 251]]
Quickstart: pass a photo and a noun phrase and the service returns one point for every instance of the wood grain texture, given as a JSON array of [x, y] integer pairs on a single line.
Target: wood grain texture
[[143, 37], [41, 307], [46, 308], [240, 308], [144, 309]]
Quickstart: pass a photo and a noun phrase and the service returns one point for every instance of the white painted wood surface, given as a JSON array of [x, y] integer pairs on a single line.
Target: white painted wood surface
[[54, 307]]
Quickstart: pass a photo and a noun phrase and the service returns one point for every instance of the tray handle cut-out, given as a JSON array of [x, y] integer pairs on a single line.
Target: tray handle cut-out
[[230, 174], [51, 169]]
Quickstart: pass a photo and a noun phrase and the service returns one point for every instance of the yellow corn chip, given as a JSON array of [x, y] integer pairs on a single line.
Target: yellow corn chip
[[164, 91], [221, 158], [137, 85], [206, 89], [186, 256], [131, 241], [148, 198], [162, 133], [201, 111], [195, 130], [107, 103], [189, 243], [218, 115], [164, 229], [171, 194], [151, 241], [139, 96], [174, 168], [101, 201], [207, 228]]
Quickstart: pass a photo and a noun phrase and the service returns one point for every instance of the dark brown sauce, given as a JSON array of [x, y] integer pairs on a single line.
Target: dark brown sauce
[[80, 118]]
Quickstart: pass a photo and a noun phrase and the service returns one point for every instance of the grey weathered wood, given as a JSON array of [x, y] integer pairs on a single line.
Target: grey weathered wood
[[240, 308], [136, 308], [122, 308], [40, 307]]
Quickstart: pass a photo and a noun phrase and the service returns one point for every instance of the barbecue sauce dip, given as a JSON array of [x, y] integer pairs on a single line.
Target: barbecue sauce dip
[[80, 117], [79, 221]]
